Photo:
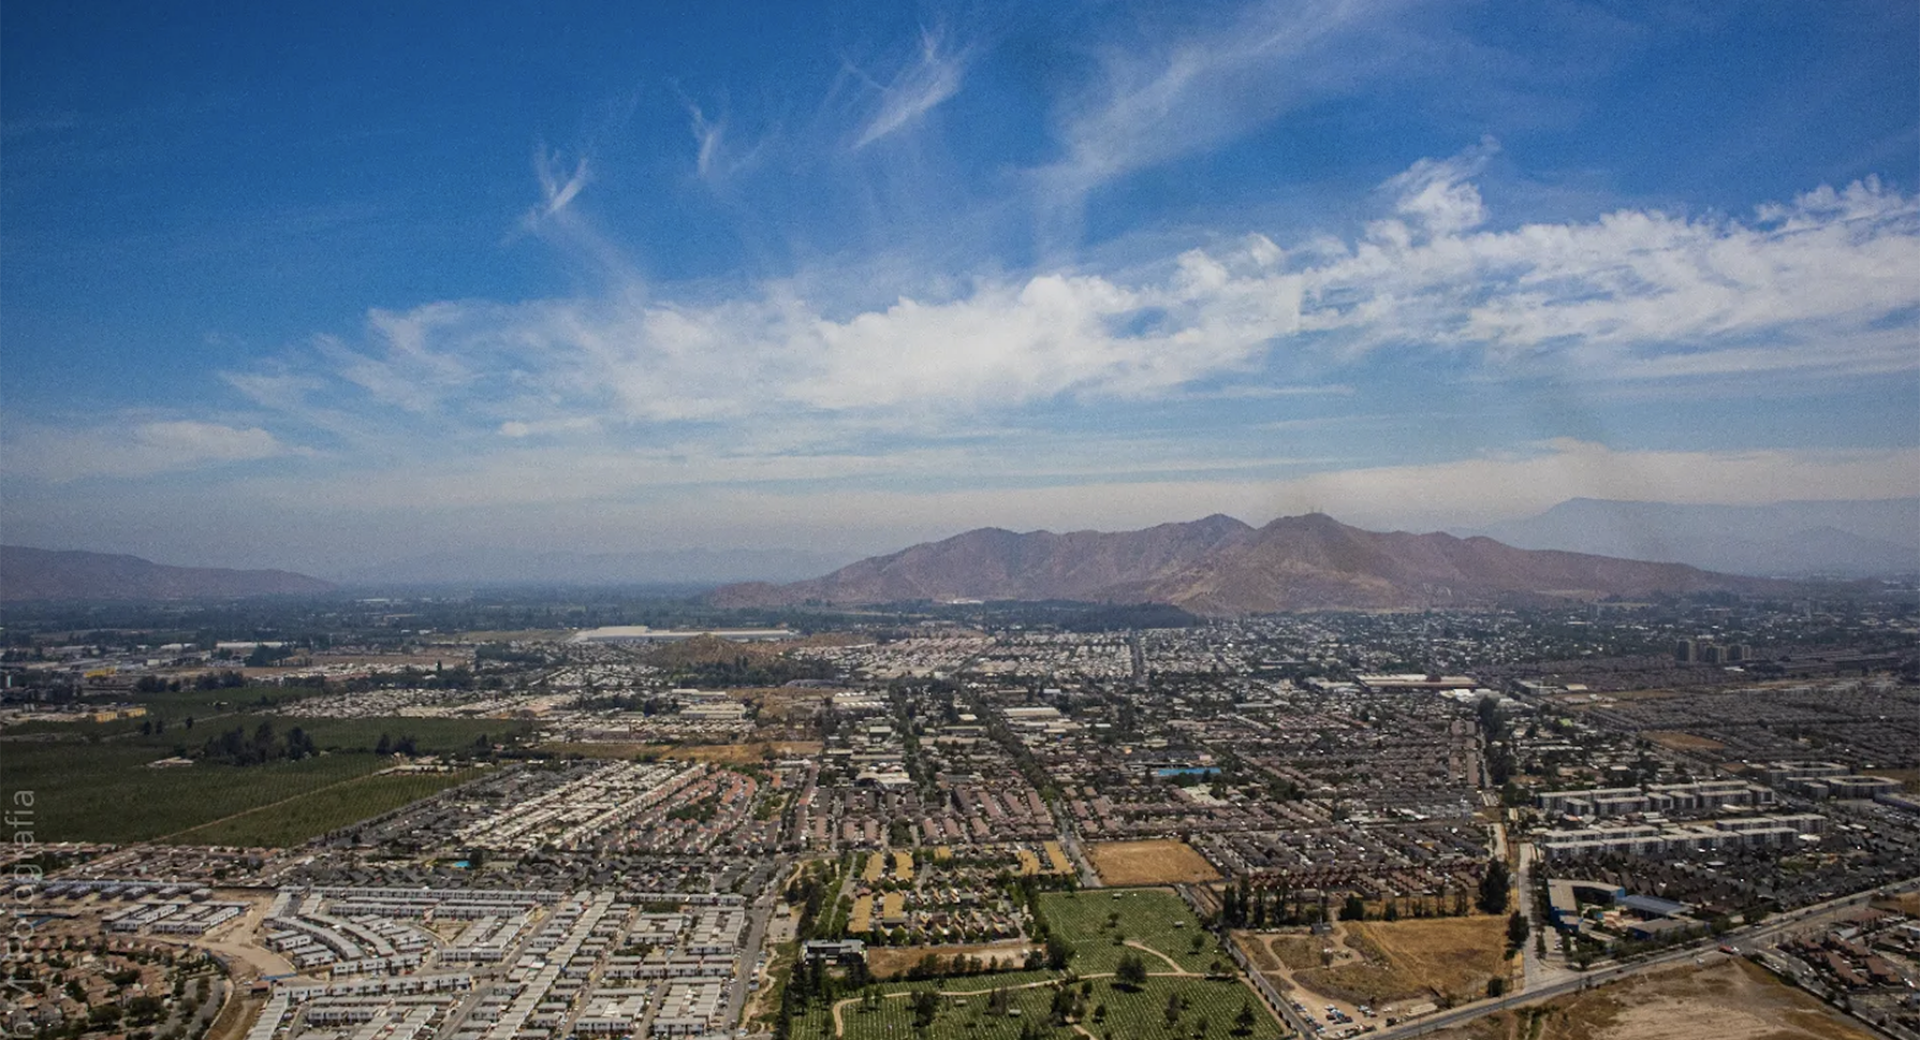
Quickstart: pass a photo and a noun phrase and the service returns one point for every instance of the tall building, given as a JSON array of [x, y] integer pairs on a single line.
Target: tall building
[[1683, 651]]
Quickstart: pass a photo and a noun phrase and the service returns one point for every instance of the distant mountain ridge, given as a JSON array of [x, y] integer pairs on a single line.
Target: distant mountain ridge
[[1850, 538], [485, 567], [1219, 565], [28, 575]]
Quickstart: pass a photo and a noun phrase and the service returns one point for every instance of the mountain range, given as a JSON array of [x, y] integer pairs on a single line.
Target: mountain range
[[42, 574], [1219, 565], [1852, 538], [567, 568]]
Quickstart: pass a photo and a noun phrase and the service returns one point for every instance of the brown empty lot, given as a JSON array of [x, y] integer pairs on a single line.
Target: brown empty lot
[[743, 754], [887, 962], [1162, 862], [1679, 740], [1379, 963], [1726, 1000]]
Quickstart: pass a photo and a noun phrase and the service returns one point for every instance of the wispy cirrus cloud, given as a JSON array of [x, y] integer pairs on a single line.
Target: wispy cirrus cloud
[[1155, 101], [558, 186], [933, 76]]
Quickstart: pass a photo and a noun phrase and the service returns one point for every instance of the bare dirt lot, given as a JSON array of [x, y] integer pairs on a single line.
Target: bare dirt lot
[[1677, 740], [743, 754], [749, 753], [1162, 862], [887, 962], [1385, 964], [1728, 999], [1906, 902]]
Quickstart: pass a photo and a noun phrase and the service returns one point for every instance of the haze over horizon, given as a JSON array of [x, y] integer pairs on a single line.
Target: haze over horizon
[[315, 291]]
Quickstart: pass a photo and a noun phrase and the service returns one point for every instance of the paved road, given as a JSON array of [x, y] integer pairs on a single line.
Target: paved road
[[1538, 971], [758, 913], [1070, 844]]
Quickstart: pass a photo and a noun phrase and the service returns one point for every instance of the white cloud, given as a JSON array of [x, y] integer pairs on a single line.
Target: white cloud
[[706, 137], [930, 80], [131, 447], [558, 188], [1156, 103], [1437, 195], [1823, 285]]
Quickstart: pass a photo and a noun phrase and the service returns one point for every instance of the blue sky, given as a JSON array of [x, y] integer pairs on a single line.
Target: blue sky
[[323, 288]]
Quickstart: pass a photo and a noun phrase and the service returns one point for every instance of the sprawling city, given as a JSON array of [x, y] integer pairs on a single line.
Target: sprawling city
[[960, 520], [413, 818]]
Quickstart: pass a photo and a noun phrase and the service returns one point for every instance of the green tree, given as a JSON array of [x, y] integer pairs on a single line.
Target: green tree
[[1130, 971], [1243, 1021], [1517, 929], [1493, 887]]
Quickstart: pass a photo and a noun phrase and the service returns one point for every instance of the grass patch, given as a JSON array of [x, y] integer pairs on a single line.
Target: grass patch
[[106, 792], [1135, 1015], [93, 784], [1153, 917], [286, 824]]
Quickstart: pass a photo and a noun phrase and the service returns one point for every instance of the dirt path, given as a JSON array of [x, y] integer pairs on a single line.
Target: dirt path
[[1175, 965]]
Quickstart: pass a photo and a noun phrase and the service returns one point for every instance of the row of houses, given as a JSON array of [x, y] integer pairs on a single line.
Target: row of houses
[[1653, 839], [1700, 796]]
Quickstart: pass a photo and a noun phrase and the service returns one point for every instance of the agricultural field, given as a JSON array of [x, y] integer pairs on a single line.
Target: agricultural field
[[107, 792], [1728, 999], [430, 736], [94, 782], [171, 707], [1161, 862], [293, 822], [1096, 922]]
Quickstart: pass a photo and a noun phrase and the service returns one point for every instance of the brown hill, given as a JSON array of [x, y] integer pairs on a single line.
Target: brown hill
[[1221, 566], [41, 574]]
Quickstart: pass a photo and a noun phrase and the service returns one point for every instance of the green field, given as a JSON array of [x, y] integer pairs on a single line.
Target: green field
[[107, 792], [291, 823], [1153, 917], [1129, 1015], [91, 782]]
